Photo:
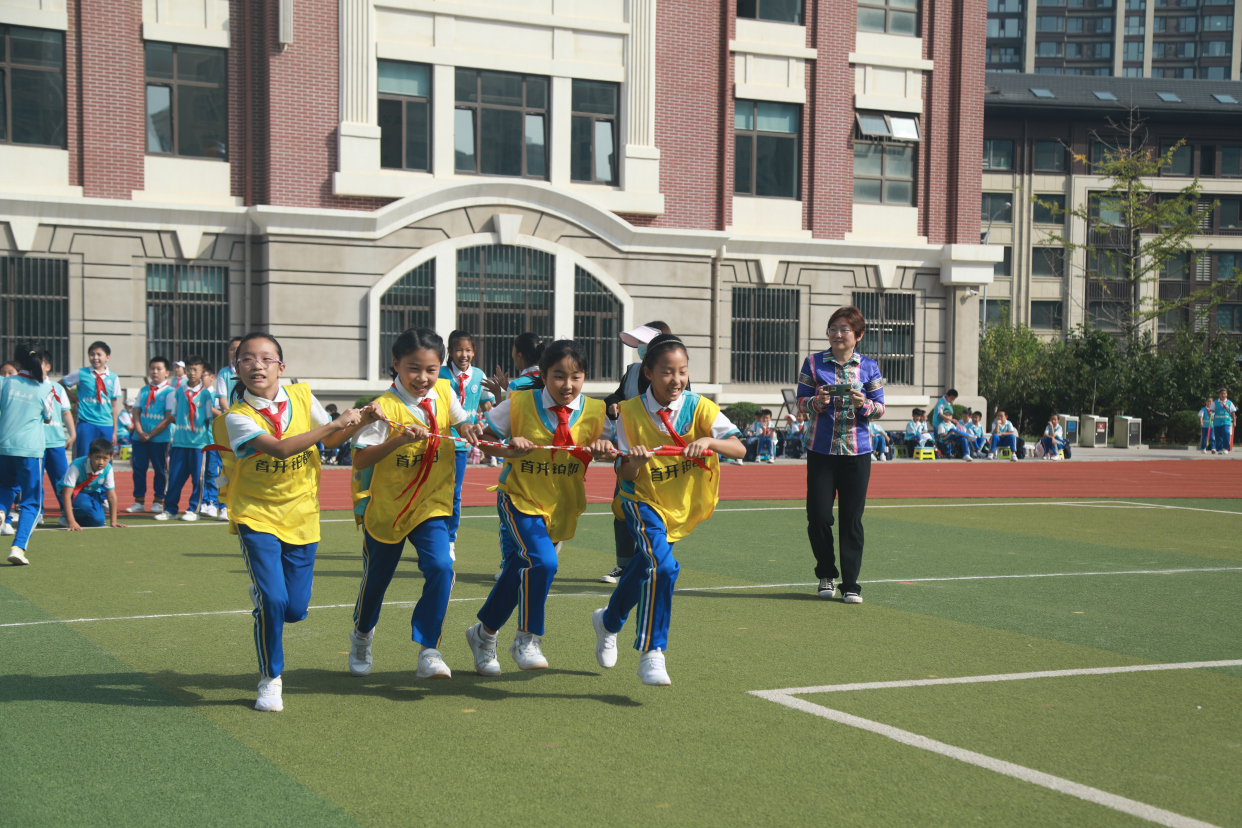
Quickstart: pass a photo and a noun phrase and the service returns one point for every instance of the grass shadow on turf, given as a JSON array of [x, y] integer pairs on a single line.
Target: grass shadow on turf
[[121, 689]]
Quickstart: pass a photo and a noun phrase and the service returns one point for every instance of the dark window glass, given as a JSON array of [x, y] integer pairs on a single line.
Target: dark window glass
[[409, 303], [890, 330], [1048, 261], [883, 172], [597, 324], [1046, 316], [1231, 160], [34, 304], [405, 115], [1005, 266], [996, 207], [767, 158], [996, 312], [32, 86], [500, 126], [593, 132], [765, 334], [502, 291], [899, 17], [782, 11], [1207, 161], [1049, 156], [1182, 161], [188, 312], [997, 154], [1230, 210], [1178, 267], [1047, 214], [187, 102]]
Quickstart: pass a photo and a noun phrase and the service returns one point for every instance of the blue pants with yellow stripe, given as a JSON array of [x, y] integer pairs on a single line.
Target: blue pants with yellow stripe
[[281, 574], [379, 563], [527, 568], [647, 581], [90, 509], [459, 477]]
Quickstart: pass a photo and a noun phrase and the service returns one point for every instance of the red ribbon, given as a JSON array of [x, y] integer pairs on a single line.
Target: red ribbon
[[78, 488], [429, 459], [275, 420], [681, 441], [100, 389]]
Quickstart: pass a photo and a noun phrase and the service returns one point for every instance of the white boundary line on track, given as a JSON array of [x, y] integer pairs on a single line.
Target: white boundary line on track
[[787, 698], [605, 594]]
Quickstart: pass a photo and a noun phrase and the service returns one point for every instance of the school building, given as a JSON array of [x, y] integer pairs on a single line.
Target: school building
[[173, 172]]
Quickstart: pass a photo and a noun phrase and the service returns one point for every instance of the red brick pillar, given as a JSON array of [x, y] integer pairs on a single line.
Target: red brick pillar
[[829, 119], [110, 60]]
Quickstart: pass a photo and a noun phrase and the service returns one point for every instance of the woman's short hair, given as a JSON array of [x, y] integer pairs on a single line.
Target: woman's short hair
[[852, 316]]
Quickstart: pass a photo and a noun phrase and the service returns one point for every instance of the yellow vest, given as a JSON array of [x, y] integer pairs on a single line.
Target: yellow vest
[[547, 483], [279, 497], [682, 493], [381, 485]]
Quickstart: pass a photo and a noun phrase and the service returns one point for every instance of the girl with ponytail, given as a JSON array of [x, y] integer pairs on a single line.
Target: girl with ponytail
[[26, 403]]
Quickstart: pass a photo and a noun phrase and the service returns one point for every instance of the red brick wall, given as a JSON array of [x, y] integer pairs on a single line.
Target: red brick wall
[[110, 66], [73, 100], [829, 157]]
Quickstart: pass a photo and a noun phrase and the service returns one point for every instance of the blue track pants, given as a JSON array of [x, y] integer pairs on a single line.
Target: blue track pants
[[282, 575], [647, 581], [150, 455], [184, 464], [527, 569], [25, 475], [459, 476], [379, 563], [86, 433]]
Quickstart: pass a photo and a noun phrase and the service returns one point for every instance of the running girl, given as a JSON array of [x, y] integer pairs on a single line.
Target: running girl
[[662, 498], [273, 493], [26, 403], [403, 479], [542, 492], [466, 383], [59, 434]]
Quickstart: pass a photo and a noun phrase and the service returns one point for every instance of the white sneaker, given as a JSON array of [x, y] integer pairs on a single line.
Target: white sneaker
[[60, 521], [612, 577], [17, 556], [496, 577], [968, 459], [827, 588], [605, 642], [189, 517], [223, 514], [1013, 458], [483, 648], [431, 665], [162, 515], [209, 510], [156, 508], [7, 530], [135, 509], [359, 649], [526, 652], [269, 696], [452, 550], [651, 669], [852, 598]]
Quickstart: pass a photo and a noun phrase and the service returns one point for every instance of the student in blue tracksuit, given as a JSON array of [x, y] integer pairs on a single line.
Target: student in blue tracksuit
[[25, 405], [99, 398], [466, 381], [59, 434], [88, 490], [1206, 441], [223, 386], [189, 413], [1224, 417], [152, 436]]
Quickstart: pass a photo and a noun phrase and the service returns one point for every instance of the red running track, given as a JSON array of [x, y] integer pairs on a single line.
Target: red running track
[[1030, 478]]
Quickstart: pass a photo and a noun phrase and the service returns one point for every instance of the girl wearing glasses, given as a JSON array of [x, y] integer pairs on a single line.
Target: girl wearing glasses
[[840, 391], [272, 493]]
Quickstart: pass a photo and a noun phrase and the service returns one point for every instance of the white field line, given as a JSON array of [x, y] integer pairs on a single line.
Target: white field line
[[607, 593], [1095, 795]]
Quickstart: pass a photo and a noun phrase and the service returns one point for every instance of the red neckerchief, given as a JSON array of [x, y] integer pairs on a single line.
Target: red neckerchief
[[189, 398], [101, 389], [82, 485], [679, 440], [462, 381], [429, 459], [276, 420], [565, 437], [151, 392]]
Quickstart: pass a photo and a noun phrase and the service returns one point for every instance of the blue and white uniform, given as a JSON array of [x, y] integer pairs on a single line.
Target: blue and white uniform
[[1206, 441], [90, 502], [1004, 434], [1053, 441], [468, 388], [55, 462], [1222, 423], [96, 391], [151, 406], [975, 432], [225, 380], [191, 410], [25, 405]]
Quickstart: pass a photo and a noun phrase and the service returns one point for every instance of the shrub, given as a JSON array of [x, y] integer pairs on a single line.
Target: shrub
[[742, 414], [959, 411], [1183, 428], [362, 401]]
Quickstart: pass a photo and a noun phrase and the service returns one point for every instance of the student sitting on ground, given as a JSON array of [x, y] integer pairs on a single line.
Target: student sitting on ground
[[1053, 441], [88, 488], [916, 431], [761, 438], [950, 440], [1004, 435], [795, 436]]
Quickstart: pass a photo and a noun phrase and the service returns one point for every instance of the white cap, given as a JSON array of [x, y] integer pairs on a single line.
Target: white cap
[[637, 337], [179, 364], [131, 401]]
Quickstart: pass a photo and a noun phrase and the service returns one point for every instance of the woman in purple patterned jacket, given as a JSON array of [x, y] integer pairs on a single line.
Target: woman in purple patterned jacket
[[841, 391]]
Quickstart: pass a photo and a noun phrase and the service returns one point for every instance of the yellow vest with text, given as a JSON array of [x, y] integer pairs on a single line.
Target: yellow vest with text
[[683, 494], [279, 497], [384, 482], [549, 483]]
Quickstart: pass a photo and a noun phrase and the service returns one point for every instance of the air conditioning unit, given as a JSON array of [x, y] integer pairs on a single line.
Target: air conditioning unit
[[1092, 431], [1127, 432]]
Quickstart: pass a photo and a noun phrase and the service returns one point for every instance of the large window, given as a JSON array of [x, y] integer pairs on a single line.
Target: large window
[[1047, 316], [766, 157], [187, 106], [997, 154], [1048, 261], [1049, 156], [1005, 266], [405, 115], [32, 86], [1049, 209], [765, 334], [501, 124], [890, 333], [899, 17], [594, 136], [1181, 162], [503, 291], [996, 312], [188, 312], [597, 323], [34, 304], [782, 11], [996, 207], [409, 303], [883, 172]]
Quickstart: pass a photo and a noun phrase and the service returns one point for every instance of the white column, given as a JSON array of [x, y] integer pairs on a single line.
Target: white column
[[560, 130], [1235, 62], [446, 291], [443, 94], [563, 298], [1149, 35], [359, 133], [640, 170]]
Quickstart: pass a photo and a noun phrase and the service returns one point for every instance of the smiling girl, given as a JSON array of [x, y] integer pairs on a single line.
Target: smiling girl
[[662, 498], [541, 494], [272, 493], [390, 463], [466, 383]]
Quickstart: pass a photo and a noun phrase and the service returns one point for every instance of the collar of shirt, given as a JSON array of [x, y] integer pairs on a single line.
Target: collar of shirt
[[654, 406], [548, 402], [155, 389], [262, 404], [534, 369], [195, 389], [408, 398], [854, 359]]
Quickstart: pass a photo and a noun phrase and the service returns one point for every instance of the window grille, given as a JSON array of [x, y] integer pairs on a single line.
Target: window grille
[[188, 312], [597, 325], [502, 291], [890, 329], [34, 304], [409, 303], [765, 334]]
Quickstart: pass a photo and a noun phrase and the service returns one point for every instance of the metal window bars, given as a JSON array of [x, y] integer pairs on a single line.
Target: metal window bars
[[409, 303], [34, 304], [765, 334], [597, 326], [890, 328], [188, 312], [502, 291]]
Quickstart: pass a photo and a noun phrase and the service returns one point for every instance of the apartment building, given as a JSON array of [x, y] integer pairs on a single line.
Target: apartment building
[[1166, 39], [176, 171], [1041, 136]]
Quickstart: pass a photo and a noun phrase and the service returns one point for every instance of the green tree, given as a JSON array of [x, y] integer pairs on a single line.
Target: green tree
[[1012, 370]]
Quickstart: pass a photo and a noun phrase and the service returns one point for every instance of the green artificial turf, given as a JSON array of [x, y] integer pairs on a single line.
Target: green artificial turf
[[149, 720]]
